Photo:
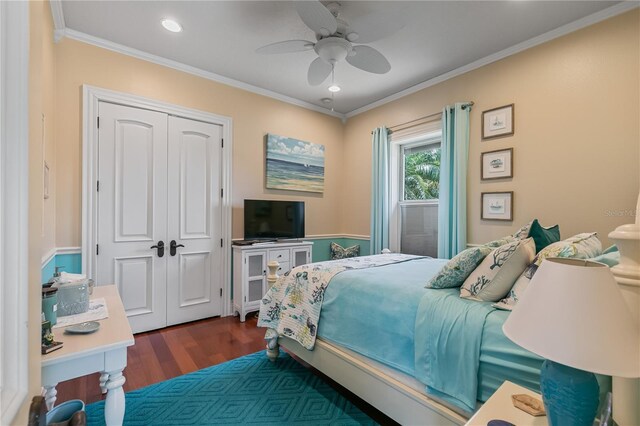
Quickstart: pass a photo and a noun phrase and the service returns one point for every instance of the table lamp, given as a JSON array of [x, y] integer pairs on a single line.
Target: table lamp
[[574, 315]]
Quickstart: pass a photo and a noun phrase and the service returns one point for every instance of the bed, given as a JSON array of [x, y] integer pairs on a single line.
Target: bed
[[428, 357]]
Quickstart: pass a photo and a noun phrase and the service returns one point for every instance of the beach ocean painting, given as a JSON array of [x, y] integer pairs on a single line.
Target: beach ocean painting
[[294, 165]]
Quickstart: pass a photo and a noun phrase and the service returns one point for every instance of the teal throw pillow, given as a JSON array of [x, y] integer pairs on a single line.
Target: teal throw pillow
[[458, 269], [339, 252], [543, 236]]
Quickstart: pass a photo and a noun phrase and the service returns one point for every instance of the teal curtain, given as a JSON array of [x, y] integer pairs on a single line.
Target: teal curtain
[[380, 190], [452, 204]]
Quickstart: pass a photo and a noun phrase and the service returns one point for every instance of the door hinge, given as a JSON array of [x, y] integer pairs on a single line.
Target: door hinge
[[222, 142], [97, 249], [220, 291], [221, 192], [98, 122], [98, 186], [221, 242], [245, 298], [245, 260]]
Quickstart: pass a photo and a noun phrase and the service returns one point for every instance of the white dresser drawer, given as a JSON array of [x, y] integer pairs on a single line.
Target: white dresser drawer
[[279, 255], [283, 268]]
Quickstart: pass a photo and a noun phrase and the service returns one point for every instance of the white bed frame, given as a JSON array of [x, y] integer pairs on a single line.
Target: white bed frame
[[392, 394]]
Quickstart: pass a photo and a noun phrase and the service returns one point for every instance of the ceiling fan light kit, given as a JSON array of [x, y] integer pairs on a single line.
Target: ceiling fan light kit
[[334, 41]]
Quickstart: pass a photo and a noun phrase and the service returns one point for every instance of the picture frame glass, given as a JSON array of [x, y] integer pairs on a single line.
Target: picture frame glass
[[497, 122], [497, 164], [497, 206]]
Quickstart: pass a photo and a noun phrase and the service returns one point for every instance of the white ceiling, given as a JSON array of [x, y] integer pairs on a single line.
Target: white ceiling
[[221, 37]]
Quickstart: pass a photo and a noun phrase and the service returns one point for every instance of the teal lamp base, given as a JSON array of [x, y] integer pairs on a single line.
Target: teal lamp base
[[570, 396]]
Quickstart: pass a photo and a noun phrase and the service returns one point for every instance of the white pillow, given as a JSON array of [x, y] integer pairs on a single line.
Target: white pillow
[[493, 279], [581, 246]]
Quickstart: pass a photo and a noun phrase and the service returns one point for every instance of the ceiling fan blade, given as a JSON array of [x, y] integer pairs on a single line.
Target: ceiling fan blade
[[288, 46], [375, 26], [317, 17], [319, 70], [369, 59]]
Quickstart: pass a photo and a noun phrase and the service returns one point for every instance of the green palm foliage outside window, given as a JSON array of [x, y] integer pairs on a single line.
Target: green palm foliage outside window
[[421, 173]]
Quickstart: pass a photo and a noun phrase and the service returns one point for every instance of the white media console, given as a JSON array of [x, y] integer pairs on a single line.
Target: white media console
[[250, 270]]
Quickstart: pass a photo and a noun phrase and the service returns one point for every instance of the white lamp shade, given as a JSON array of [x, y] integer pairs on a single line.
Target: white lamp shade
[[573, 313]]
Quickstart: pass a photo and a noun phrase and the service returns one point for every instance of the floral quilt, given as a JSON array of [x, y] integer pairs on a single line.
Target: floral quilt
[[292, 305]]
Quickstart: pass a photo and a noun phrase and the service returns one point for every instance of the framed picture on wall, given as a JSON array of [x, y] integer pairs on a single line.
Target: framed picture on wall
[[498, 122], [497, 205], [496, 164]]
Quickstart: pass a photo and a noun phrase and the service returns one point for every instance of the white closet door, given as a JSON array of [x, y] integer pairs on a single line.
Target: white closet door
[[132, 210], [194, 276]]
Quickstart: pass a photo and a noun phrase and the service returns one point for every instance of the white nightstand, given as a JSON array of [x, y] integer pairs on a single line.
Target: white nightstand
[[499, 407]]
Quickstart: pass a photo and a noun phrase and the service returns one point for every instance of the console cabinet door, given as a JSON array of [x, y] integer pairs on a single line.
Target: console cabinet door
[[300, 256], [255, 264]]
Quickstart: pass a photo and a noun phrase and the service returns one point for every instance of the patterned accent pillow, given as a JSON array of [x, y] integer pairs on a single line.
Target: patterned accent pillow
[[518, 289], [581, 246], [523, 232], [461, 265], [500, 242], [339, 252], [458, 269], [493, 279]]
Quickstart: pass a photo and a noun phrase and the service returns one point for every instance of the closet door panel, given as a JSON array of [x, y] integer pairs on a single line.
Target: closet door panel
[[194, 283], [132, 210]]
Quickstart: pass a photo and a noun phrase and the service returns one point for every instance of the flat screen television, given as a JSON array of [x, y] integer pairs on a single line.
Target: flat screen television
[[272, 220]]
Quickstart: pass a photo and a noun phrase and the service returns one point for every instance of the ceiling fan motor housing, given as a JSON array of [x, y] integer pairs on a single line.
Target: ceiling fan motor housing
[[333, 49]]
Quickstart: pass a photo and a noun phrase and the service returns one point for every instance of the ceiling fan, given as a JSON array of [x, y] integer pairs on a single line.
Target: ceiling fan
[[335, 37]]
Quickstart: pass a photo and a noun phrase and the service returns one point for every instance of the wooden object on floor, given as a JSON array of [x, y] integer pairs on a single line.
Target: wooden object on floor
[[104, 351], [500, 407]]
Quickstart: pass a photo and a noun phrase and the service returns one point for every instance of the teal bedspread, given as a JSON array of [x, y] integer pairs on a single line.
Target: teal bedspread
[[373, 311], [447, 345], [454, 346]]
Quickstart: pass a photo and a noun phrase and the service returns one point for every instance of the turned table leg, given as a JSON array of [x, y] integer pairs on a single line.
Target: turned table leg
[[103, 382], [50, 394], [115, 402]]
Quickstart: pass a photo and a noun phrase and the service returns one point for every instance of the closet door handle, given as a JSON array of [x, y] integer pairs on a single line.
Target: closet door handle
[[173, 246], [160, 248]]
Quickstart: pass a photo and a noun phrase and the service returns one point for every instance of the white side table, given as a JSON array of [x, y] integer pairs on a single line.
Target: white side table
[[500, 407], [104, 351]]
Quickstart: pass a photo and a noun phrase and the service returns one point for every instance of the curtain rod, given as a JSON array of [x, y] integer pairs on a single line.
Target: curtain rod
[[412, 123]]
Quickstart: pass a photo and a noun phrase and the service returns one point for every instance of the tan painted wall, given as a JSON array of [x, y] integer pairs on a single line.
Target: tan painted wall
[[41, 234], [577, 132], [253, 117]]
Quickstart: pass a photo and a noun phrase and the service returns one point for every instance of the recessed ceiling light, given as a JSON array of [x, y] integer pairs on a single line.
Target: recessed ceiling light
[[171, 25], [326, 100], [334, 88]]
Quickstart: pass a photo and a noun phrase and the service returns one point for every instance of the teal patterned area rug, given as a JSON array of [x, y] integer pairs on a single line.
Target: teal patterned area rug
[[247, 390]]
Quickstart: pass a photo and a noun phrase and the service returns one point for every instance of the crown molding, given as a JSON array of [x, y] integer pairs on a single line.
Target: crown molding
[[594, 18], [125, 50], [58, 20], [61, 31]]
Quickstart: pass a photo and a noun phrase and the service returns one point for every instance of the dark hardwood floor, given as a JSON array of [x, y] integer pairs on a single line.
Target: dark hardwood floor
[[163, 354]]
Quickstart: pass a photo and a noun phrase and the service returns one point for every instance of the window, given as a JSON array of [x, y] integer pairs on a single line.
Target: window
[[415, 176]]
